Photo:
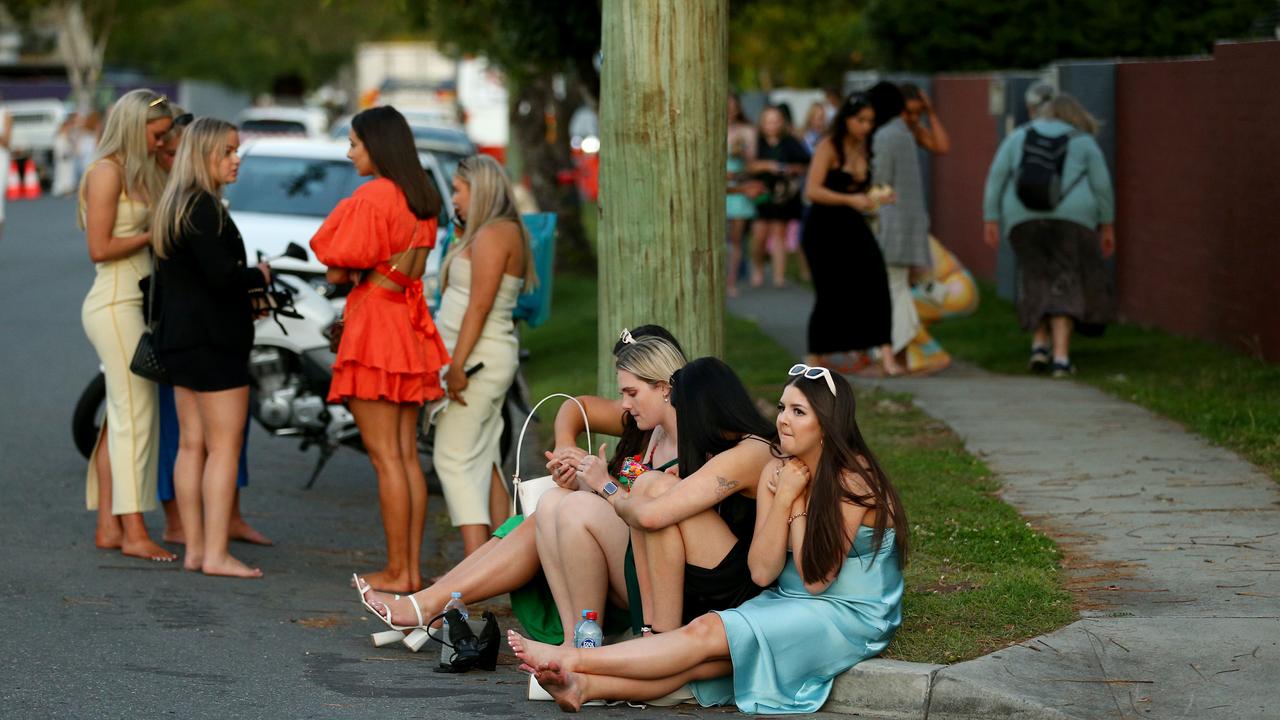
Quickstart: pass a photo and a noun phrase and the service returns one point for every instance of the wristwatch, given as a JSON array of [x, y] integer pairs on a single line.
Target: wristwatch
[[609, 489]]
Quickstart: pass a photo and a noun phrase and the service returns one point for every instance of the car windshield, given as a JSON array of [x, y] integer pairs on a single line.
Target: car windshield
[[273, 127], [448, 162], [292, 186]]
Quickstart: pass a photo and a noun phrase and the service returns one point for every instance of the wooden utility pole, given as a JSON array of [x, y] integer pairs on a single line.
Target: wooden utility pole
[[664, 84]]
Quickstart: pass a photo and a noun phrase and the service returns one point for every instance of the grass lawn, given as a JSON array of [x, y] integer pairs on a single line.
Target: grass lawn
[[980, 577], [1226, 397]]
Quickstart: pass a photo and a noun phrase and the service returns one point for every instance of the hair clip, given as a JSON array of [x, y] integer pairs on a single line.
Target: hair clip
[[625, 338], [157, 101]]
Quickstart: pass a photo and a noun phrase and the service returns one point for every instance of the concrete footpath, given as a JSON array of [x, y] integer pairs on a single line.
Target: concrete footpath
[[1174, 548]]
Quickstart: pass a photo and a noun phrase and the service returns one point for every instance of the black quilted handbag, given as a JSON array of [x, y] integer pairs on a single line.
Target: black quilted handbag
[[145, 364]]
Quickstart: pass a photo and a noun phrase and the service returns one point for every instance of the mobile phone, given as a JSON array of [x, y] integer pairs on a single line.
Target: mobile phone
[[474, 369]]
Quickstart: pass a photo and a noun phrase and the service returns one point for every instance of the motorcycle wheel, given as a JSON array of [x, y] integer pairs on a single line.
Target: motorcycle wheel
[[86, 421]]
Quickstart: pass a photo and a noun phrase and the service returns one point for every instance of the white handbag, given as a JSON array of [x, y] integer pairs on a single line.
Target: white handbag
[[525, 493]]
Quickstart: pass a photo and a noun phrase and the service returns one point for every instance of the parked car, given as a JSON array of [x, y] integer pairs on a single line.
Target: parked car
[[273, 121], [35, 125], [287, 187], [449, 144]]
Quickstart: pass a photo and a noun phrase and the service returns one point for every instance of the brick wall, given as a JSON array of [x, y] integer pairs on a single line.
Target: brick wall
[[957, 178], [1198, 195], [1197, 175]]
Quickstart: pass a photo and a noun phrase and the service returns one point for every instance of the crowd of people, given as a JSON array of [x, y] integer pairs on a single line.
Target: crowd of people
[[172, 276], [752, 561], [846, 190]]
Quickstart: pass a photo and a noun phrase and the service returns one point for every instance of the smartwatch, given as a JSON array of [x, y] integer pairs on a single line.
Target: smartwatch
[[609, 489]]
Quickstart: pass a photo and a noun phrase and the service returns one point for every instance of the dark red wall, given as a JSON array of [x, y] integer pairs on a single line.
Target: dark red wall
[[1198, 195], [1197, 191], [958, 177]]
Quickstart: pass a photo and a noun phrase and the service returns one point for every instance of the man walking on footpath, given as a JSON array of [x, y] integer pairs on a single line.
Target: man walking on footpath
[[904, 225]]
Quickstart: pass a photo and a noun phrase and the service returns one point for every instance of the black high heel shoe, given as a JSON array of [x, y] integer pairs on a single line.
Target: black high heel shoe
[[470, 651]]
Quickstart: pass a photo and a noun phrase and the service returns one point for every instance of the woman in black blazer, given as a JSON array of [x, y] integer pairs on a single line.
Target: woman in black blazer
[[204, 336]]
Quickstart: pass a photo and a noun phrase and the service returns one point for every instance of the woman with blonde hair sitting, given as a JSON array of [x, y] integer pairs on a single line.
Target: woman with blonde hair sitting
[[483, 276]]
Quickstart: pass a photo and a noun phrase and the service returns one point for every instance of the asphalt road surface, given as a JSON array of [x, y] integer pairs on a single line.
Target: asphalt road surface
[[87, 633]]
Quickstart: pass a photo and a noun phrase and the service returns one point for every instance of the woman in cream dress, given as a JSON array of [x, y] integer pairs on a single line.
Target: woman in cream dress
[[115, 210], [483, 274]]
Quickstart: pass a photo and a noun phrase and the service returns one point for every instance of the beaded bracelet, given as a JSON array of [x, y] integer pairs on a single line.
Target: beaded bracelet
[[793, 517]]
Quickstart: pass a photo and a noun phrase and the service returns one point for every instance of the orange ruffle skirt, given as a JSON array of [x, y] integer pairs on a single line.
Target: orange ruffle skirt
[[390, 349]]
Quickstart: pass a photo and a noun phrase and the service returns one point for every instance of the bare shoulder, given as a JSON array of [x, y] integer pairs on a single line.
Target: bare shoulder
[[855, 482], [105, 175]]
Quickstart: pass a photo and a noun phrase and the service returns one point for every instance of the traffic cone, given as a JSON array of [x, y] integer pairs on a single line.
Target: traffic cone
[[14, 190], [30, 181]]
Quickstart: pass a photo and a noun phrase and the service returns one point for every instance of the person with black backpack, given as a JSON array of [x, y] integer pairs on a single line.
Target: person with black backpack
[[1050, 190]]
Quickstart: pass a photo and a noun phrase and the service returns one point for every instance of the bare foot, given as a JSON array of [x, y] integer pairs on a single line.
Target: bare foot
[[108, 539], [147, 550], [244, 532], [390, 582], [536, 654], [563, 686], [230, 567]]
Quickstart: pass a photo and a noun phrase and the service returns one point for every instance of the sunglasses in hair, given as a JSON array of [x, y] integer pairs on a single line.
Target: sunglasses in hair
[[183, 120], [813, 373]]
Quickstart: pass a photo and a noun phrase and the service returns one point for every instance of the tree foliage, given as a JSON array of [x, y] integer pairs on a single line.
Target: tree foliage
[[777, 43], [249, 44], [947, 35]]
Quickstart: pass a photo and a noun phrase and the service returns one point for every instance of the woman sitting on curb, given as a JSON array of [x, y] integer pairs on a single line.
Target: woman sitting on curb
[[830, 531]]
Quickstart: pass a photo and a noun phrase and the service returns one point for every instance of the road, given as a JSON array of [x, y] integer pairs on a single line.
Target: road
[[87, 633]]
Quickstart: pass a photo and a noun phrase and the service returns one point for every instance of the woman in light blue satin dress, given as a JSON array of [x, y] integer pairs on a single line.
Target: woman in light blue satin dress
[[830, 530]]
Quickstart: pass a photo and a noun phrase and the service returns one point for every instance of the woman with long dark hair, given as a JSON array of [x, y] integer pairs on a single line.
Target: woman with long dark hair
[[390, 354], [851, 307], [830, 532]]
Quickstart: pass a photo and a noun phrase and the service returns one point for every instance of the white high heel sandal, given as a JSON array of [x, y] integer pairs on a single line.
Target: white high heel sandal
[[396, 633]]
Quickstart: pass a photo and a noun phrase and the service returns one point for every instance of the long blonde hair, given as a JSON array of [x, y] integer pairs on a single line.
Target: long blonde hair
[[492, 200], [191, 176], [1066, 108], [124, 140]]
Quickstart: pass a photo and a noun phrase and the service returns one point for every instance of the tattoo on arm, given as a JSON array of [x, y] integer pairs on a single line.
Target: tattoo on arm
[[725, 487]]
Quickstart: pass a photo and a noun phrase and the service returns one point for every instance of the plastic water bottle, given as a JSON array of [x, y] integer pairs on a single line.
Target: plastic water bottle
[[587, 634], [455, 601]]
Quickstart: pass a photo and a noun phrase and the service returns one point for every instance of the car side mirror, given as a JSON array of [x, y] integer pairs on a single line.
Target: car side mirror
[[295, 251]]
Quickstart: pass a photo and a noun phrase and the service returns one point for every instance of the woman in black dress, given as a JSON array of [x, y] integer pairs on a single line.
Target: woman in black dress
[[203, 339], [851, 309], [780, 163]]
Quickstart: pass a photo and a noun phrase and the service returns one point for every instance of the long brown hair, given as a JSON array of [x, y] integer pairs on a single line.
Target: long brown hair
[[386, 135], [844, 451]]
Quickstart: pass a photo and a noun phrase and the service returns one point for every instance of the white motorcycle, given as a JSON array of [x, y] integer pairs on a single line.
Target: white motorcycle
[[290, 367]]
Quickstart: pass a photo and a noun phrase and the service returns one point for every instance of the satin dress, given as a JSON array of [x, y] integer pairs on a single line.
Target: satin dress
[[788, 646]]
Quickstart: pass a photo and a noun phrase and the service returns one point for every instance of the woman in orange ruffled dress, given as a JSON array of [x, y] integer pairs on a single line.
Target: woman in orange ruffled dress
[[390, 354]]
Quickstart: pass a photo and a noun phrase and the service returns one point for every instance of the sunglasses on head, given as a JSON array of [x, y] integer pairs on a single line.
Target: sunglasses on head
[[183, 120], [813, 373]]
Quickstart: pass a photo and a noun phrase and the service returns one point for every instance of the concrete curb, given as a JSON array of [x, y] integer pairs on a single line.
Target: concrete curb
[[896, 690]]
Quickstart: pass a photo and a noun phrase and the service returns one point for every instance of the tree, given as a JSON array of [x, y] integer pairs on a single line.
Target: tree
[[662, 177], [249, 44], [83, 28], [547, 51], [943, 35], [774, 43]]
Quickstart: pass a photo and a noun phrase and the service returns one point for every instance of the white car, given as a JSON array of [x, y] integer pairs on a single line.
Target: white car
[[286, 188], [276, 121]]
